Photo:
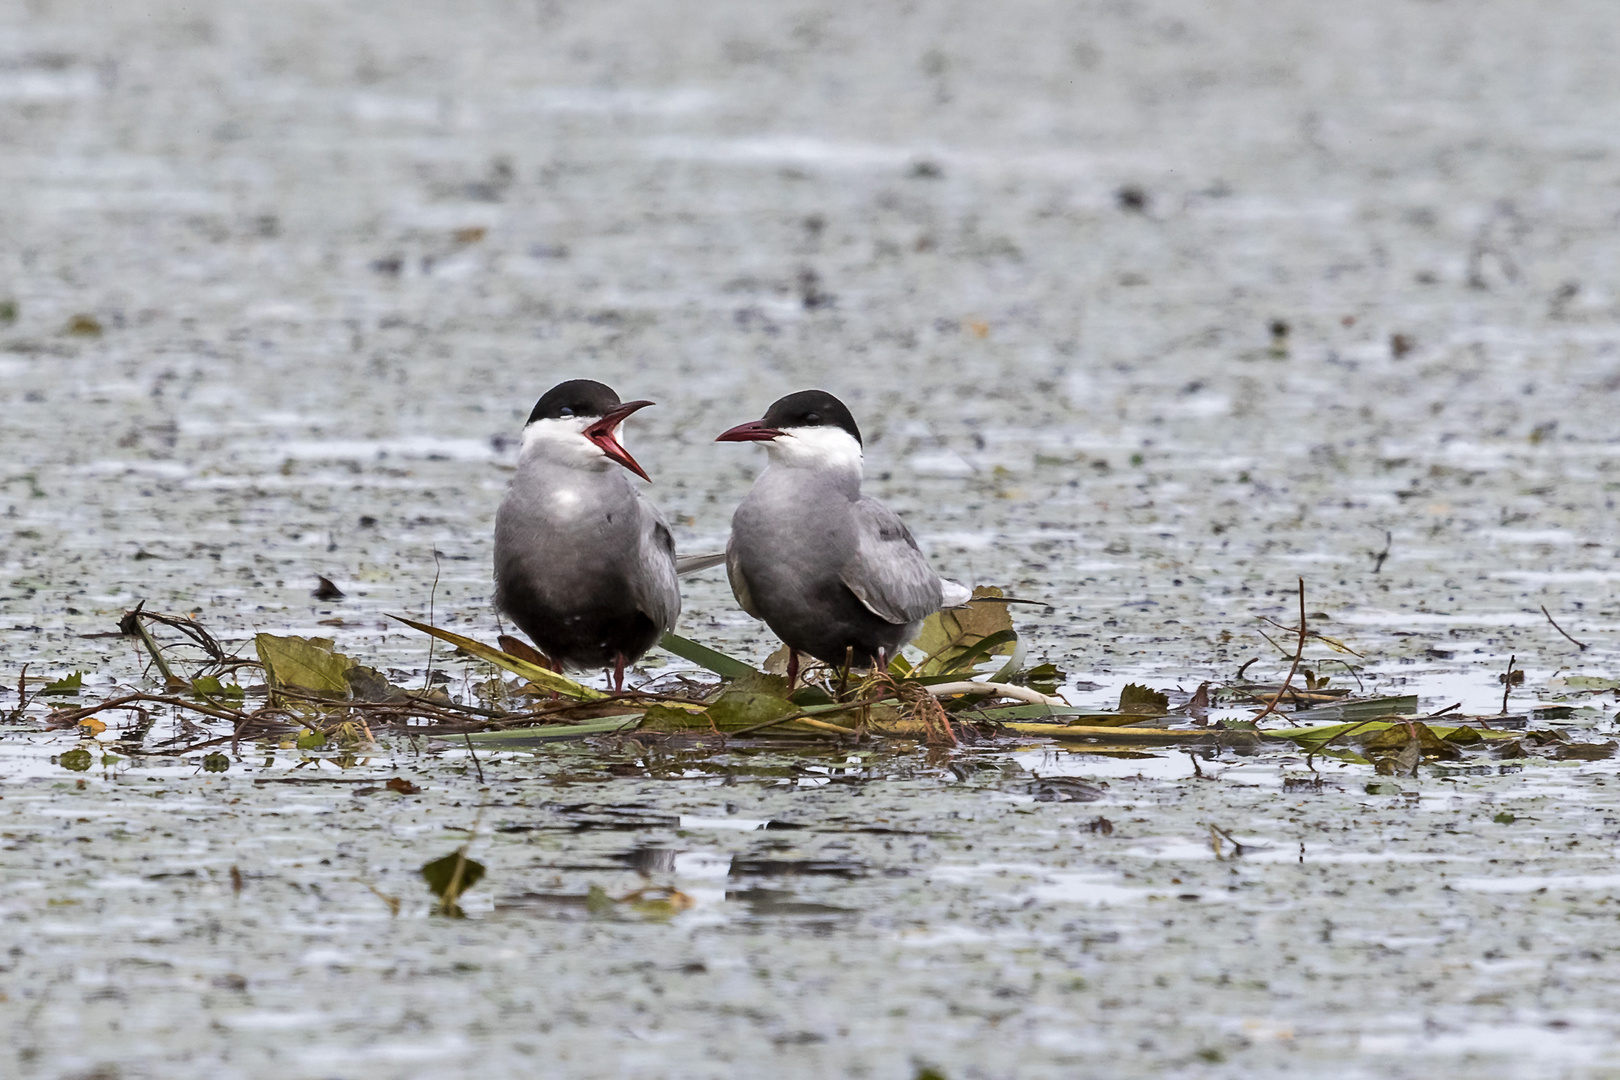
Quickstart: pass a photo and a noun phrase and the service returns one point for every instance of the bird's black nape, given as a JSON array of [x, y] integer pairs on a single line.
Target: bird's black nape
[[576, 397], [811, 408]]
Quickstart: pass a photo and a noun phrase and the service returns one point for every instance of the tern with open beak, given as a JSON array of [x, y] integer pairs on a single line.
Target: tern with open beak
[[833, 573], [583, 564]]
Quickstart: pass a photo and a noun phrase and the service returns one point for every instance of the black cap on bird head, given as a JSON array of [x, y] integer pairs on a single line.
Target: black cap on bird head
[[576, 397], [807, 408], [594, 401]]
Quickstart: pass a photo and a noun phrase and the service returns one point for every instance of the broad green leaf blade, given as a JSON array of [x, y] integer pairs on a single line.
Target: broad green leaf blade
[[68, 684], [307, 663], [705, 657], [668, 718], [542, 677], [1364, 709], [738, 709], [1143, 735], [541, 733], [452, 875], [1143, 700], [977, 651], [946, 635]]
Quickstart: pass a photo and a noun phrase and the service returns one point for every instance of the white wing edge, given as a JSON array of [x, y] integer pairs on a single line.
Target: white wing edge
[[953, 594]]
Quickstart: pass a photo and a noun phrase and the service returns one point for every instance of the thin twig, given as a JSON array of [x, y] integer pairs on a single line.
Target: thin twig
[[22, 696], [1379, 556], [474, 754], [1298, 656], [1581, 645], [1331, 642], [151, 646], [433, 595], [1507, 684]]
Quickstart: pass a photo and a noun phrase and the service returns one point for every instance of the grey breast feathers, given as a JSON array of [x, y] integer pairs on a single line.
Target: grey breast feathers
[[887, 573]]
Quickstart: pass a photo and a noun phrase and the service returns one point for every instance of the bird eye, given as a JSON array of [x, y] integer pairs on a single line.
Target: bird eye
[[565, 411], [813, 418]]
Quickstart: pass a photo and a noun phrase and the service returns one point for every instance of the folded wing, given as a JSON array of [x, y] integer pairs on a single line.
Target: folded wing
[[887, 572], [657, 592]]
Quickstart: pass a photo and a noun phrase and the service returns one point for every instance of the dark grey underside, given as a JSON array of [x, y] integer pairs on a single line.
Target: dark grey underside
[[831, 624], [589, 581]]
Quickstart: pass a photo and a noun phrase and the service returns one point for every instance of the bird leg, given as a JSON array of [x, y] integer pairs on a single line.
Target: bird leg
[[618, 673], [792, 667], [843, 676]]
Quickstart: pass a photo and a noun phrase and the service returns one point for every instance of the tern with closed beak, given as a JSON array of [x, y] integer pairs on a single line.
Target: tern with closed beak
[[832, 572], [583, 564]]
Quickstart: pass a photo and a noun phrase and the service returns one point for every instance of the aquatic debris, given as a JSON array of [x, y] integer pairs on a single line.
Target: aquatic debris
[[1064, 789], [958, 638], [545, 678], [325, 705], [1143, 701], [68, 685], [450, 878]]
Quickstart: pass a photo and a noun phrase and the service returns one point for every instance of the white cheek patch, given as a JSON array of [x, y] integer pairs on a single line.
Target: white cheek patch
[[561, 439], [816, 448]]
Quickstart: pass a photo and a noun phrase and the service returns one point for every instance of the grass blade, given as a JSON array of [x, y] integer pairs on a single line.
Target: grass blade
[[705, 657], [541, 677], [527, 736]]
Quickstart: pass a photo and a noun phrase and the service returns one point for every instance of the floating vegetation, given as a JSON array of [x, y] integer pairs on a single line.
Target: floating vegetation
[[301, 693]]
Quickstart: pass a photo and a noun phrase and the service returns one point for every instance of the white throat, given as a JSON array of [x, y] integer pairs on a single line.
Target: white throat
[[562, 440], [830, 448]]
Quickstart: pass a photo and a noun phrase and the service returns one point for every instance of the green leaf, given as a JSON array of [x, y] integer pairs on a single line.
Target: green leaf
[[68, 685], [305, 663], [598, 902], [703, 656], [542, 677], [75, 760], [208, 686], [543, 733], [1364, 709], [1504, 818], [216, 762], [311, 740], [946, 636], [978, 651], [1043, 678], [739, 709], [451, 877], [1144, 700], [670, 718], [1584, 682]]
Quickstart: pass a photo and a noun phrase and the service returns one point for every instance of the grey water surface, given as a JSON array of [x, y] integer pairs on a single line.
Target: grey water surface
[[1147, 310]]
